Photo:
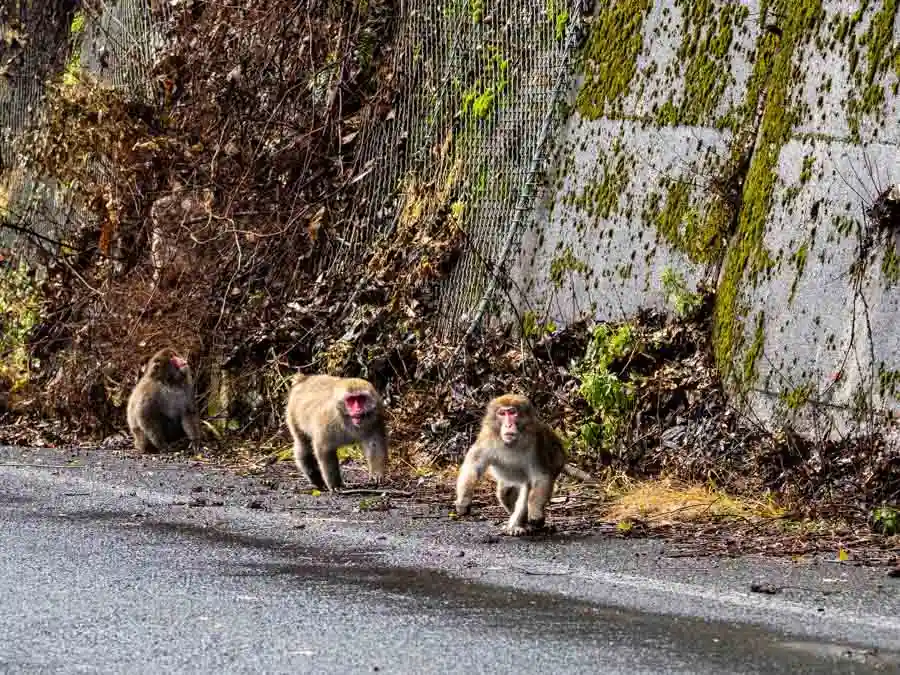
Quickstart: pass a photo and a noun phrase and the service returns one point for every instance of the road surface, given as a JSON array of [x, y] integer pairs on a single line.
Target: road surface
[[107, 568]]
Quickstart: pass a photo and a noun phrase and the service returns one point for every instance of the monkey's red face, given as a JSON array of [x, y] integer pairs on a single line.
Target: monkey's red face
[[357, 406], [177, 361], [509, 423]]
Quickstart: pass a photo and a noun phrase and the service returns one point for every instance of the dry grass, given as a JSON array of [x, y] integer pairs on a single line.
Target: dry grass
[[667, 501]]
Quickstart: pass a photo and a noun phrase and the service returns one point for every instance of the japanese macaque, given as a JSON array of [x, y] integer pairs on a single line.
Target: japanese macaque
[[161, 408], [523, 454], [325, 412]]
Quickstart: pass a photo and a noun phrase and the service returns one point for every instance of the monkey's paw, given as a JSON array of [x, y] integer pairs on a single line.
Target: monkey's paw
[[463, 509], [539, 524], [515, 530]]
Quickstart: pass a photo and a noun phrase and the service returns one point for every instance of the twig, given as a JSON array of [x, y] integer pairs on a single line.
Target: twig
[[25, 465], [375, 491], [530, 573]]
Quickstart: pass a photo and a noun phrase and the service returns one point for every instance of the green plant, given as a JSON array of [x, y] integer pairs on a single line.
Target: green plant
[[685, 303], [609, 396], [531, 327], [886, 520], [19, 311]]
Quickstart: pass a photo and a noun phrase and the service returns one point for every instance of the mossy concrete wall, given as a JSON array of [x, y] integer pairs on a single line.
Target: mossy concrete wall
[[740, 143]]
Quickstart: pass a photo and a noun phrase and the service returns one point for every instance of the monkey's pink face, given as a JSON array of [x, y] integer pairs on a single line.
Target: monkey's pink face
[[509, 423], [178, 362], [357, 406]]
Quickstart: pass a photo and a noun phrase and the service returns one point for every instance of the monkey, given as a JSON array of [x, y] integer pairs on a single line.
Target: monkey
[[525, 457], [325, 412], [161, 407]]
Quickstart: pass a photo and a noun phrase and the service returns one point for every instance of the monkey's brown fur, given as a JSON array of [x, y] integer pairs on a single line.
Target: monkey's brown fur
[[525, 464], [161, 408], [320, 421]]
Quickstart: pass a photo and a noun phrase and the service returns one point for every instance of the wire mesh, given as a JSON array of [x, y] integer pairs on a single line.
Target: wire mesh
[[479, 80], [115, 42]]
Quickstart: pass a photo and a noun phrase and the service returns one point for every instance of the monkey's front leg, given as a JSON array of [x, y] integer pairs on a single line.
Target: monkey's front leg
[[141, 442], [516, 524], [190, 423], [538, 498], [469, 474]]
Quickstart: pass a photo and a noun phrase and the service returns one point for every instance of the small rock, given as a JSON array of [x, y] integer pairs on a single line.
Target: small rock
[[254, 504], [768, 589]]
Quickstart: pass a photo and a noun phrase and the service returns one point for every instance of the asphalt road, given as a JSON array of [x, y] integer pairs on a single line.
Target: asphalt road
[[107, 568]]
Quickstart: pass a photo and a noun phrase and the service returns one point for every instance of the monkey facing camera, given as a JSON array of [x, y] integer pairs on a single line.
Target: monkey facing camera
[[523, 455], [325, 412], [161, 407]]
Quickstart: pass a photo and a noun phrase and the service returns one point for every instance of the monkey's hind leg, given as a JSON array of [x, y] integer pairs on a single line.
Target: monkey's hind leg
[[154, 433], [375, 449], [518, 517], [329, 466], [538, 498], [306, 460], [507, 495]]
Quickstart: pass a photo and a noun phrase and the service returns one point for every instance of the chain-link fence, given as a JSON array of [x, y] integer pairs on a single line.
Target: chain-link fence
[[479, 83], [115, 42], [477, 87]]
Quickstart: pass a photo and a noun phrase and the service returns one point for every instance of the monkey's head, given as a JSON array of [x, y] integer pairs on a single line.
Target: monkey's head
[[358, 405], [508, 415], [167, 366]]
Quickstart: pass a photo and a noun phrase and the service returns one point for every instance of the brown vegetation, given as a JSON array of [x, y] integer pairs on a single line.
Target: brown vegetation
[[223, 216]]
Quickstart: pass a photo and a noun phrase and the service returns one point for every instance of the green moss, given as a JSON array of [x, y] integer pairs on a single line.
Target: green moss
[[599, 199], [756, 348], [609, 56], [890, 266], [667, 115], [806, 171], [353, 451], [563, 263], [888, 381], [747, 258], [799, 261], [480, 99], [699, 234], [881, 54], [796, 398], [707, 33]]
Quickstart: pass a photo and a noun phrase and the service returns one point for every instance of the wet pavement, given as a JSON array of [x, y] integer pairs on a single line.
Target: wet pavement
[[107, 568]]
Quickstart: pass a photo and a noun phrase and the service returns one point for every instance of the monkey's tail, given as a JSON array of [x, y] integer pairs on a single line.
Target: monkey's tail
[[575, 472]]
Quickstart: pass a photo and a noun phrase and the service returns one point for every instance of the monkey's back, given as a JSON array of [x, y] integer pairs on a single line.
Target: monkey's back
[[313, 398], [551, 451], [167, 404]]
